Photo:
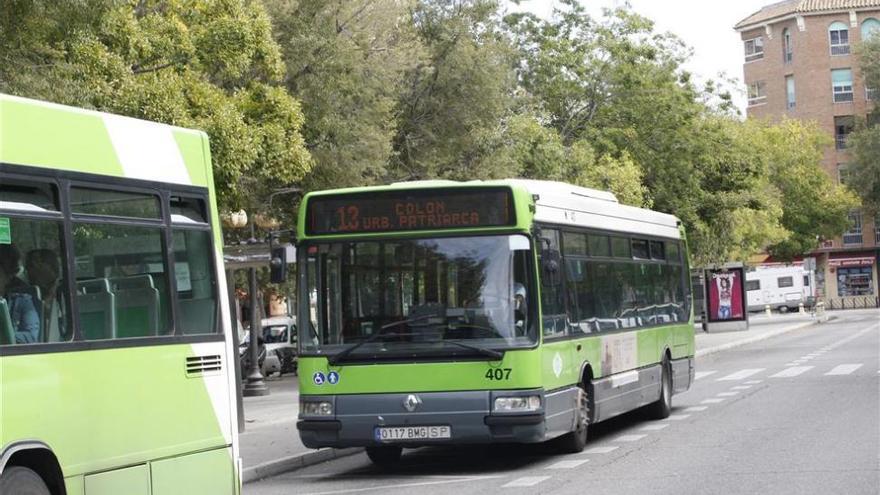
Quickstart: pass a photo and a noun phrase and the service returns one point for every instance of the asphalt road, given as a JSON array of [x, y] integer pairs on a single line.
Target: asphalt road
[[798, 413]]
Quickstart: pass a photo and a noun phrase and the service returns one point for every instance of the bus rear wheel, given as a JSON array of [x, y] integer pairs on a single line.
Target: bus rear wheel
[[575, 441], [663, 406], [20, 480], [384, 456]]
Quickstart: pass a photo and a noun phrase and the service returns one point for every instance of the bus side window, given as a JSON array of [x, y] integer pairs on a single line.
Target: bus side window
[[552, 303], [196, 284]]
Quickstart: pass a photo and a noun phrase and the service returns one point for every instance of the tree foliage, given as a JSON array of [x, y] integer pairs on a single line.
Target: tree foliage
[[864, 170], [211, 65], [332, 93]]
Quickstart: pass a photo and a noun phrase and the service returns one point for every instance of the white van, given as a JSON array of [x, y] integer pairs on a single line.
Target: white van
[[782, 288], [279, 336]]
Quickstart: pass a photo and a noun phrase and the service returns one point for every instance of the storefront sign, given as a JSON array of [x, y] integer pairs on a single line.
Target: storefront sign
[[843, 262]]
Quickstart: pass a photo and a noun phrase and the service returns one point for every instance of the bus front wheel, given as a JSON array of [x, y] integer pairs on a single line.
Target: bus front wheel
[[575, 441], [22, 481], [384, 456]]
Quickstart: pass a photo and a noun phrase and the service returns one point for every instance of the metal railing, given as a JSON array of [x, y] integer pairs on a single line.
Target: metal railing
[[853, 302]]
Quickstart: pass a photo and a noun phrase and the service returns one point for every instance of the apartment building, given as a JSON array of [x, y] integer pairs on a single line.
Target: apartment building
[[799, 62]]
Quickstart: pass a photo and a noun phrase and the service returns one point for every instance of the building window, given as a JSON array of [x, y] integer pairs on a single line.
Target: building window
[[786, 46], [853, 236], [843, 127], [855, 281], [757, 93], [754, 49], [870, 94], [877, 228], [838, 35], [789, 91], [842, 174], [842, 85], [870, 27]]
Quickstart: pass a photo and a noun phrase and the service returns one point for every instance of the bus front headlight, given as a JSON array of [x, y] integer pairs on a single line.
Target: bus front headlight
[[524, 403], [323, 408]]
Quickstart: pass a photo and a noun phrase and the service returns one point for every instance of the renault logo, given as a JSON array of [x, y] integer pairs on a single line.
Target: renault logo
[[412, 402]]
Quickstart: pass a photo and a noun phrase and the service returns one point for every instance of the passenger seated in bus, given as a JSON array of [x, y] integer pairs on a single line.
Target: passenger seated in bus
[[19, 297], [44, 271]]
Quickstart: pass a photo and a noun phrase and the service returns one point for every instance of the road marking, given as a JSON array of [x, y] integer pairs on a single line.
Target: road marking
[[654, 427], [696, 408], [462, 479], [741, 387], [711, 401], [602, 450], [568, 464], [753, 382], [678, 417], [630, 438], [742, 374], [727, 394], [526, 481], [844, 369], [793, 371], [703, 374]]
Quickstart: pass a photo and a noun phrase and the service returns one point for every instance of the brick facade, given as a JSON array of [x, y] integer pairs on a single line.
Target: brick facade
[[810, 66]]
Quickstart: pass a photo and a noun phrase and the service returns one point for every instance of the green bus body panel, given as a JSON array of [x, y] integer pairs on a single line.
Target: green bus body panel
[[48, 136], [130, 481], [101, 409], [52, 136], [205, 473], [530, 368]]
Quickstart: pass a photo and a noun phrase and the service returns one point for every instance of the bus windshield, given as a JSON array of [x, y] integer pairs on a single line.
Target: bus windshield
[[440, 297]]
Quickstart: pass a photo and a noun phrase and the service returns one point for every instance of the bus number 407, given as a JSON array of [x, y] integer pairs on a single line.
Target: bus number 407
[[498, 374]]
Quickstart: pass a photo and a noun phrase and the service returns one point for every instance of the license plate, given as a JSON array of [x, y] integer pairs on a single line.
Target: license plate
[[404, 433]]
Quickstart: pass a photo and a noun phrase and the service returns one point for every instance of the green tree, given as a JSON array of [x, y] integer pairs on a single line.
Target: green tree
[[453, 101], [864, 169], [346, 62], [210, 65]]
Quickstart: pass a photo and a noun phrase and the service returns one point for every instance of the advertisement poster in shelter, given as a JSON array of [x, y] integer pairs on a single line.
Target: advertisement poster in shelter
[[725, 294]]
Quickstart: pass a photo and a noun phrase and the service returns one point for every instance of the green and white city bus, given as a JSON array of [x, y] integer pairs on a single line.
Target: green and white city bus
[[478, 312], [116, 364]]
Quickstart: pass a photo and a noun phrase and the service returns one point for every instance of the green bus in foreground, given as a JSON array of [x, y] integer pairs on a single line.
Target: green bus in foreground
[[116, 371], [478, 312]]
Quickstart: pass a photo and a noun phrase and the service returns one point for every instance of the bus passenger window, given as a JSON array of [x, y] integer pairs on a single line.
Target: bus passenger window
[[121, 281], [32, 284], [196, 284]]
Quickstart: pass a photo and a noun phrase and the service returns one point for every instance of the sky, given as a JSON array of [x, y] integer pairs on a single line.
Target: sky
[[704, 25]]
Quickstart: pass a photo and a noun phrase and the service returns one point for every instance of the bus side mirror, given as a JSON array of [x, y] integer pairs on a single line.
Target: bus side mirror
[[279, 258], [550, 272]]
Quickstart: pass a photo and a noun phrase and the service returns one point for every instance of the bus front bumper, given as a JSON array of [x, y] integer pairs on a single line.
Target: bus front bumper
[[358, 419]]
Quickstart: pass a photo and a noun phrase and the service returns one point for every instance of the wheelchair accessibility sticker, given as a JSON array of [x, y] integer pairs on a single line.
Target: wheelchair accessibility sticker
[[318, 378]]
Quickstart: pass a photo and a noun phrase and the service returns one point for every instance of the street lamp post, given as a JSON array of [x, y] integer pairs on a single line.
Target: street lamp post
[[255, 384]]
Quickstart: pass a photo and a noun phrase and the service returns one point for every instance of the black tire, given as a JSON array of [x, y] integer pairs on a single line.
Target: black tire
[[18, 480], [663, 407], [385, 456], [575, 441], [783, 309]]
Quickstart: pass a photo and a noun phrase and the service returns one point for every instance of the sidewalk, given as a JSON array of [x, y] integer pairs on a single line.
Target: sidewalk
[[270, 443]]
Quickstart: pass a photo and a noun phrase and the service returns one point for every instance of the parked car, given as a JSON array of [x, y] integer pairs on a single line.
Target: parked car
[[279, 336]]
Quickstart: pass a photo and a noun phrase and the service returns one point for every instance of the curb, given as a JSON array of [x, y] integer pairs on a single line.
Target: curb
[[294, 462], [756, 338]]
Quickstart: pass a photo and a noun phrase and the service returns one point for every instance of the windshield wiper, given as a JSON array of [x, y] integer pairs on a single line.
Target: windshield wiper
[[336, 358], [492, 353]]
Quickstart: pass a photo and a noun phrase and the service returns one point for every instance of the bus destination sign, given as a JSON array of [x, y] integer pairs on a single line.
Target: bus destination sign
[[409, 210]]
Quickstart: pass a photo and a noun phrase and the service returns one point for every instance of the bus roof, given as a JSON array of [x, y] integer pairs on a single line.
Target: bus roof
[[49, 135], [555, 203]]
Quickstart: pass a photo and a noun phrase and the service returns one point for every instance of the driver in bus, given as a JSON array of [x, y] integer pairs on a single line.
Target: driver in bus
[[22, 310], [519, 306]]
